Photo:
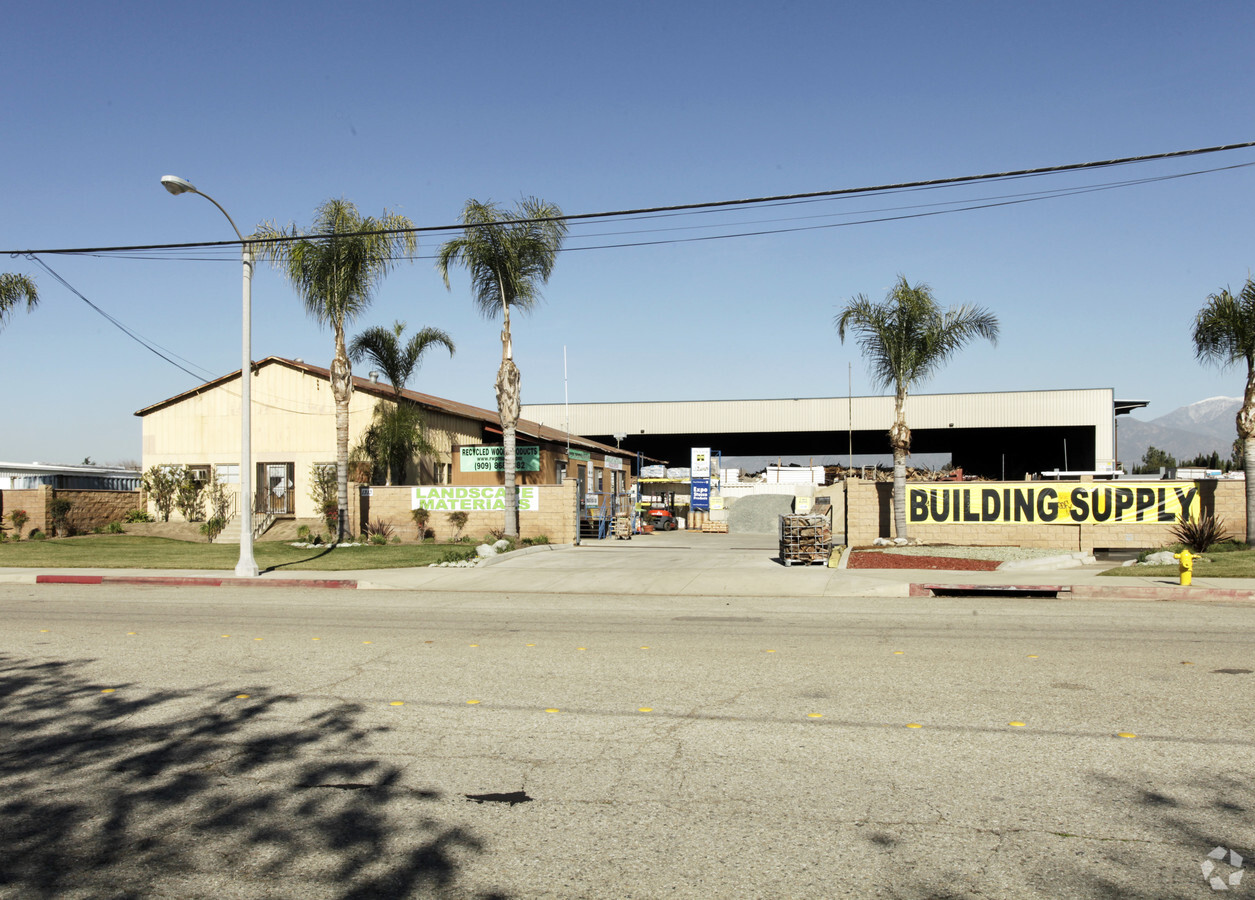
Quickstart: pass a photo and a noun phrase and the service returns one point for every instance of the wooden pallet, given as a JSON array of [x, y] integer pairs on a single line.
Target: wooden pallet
[[715, 527]]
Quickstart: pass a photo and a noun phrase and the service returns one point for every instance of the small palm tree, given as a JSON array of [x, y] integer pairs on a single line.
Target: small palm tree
[[14, 289], [1224, 334], [397, 432], [509, 254], [905, 339], [336, 267]]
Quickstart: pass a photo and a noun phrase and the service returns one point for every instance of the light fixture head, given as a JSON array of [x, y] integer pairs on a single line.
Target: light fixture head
[[176, 185]]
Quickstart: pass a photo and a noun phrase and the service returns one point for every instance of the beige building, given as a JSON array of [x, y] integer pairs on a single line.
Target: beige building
[[293, 431]]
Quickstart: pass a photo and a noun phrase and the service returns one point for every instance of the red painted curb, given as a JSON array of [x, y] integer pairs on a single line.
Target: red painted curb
[[196, 581]]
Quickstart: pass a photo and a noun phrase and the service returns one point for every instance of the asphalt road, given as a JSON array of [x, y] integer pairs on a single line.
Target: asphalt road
[[215, 743]]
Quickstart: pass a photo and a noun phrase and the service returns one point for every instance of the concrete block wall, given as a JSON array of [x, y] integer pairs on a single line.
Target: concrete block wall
[[556, 518], [88, 509], [869, 515], [35, 502]]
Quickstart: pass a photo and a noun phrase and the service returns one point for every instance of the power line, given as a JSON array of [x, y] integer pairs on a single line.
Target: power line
[[695, 207]]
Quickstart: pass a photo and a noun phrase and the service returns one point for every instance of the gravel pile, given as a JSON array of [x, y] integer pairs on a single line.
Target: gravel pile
[[759, 514]]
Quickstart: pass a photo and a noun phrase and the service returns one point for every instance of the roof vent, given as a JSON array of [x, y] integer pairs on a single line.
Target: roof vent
[[299, 360], [374, 377]]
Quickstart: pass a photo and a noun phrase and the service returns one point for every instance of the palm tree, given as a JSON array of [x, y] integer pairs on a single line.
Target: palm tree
[[382, 346], [335, 268], [1224, 334], [905, 339], [508, 253], [13, 289], [397, 433]]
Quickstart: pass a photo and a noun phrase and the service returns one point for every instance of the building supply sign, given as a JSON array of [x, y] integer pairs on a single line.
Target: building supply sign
[[464, 498], [492, 459], [1053, 503], [699, 493]]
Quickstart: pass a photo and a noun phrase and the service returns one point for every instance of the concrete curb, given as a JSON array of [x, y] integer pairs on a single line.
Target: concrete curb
[[1083, 592], [522, 551]]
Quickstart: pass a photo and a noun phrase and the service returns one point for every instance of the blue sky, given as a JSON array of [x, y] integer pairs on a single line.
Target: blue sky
[[273, 108]]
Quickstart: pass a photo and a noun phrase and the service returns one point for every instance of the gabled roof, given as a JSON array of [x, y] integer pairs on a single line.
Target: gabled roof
[[489, 418]]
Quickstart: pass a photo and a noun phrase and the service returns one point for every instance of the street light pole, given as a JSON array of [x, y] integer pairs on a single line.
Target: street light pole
[[247, 566]]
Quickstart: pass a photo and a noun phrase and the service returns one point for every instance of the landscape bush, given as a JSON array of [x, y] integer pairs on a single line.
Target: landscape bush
[[1200, 534]]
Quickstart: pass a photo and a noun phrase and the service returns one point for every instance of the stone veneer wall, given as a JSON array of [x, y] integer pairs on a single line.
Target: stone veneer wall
[[869, 515], [88, 509], [556, 518]]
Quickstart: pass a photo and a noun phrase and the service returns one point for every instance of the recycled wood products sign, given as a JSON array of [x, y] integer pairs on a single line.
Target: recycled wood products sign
[[1053, 503], [492, 459], [472, 499]]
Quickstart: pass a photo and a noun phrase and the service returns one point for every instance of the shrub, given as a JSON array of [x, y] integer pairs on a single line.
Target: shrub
[[212, 527], [429, 534], [161, 483], [458, 554], [98, 529], [378, 540], [420, 517], [36, 535], [323, 490], [302, 533], [1201, 533], [137, 515], [458, 520], [19, 518], [189, 497], [116, 528], [379, 529], [59, 514], [530, 541], [395, 539]]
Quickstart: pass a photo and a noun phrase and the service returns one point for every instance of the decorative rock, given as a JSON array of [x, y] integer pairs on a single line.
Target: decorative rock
[[483, 551], [501, 546], [1162, 558], [882, 542]]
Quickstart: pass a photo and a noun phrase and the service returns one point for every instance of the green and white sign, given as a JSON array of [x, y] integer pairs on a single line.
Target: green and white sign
[[466, 498], [492, 459]]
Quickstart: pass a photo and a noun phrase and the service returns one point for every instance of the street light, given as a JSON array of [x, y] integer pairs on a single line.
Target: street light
[[247, 566]]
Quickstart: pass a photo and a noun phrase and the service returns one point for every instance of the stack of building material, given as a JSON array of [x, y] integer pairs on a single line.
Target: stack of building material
[[805, 539]]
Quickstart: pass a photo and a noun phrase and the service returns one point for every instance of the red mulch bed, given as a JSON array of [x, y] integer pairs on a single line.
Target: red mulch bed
[[874, 559]]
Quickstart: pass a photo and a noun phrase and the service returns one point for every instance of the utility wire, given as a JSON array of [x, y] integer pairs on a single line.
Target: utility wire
[[690, 207]]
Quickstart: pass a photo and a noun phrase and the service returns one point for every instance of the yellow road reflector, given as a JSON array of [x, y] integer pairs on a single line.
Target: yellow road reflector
[[814, 715], [397, 703], [644, 648], [224, 635], [474, 645], [1126, 734], [914, 725], [43, 631], [531, 645], [769, 651], [241, 696], [1033, 656], [646, 709], [108, 690], [551, 710], [899, 652], [368, 642], [471, 702], [257, 639], [1016, 724], [315, 639], [132, 633], [1186, 663]]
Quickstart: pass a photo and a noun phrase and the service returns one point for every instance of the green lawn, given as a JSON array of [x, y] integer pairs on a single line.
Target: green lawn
[[120, 551], [1234, 564]]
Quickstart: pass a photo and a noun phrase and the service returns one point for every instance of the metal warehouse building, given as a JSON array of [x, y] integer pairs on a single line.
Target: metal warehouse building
[[996, 434]]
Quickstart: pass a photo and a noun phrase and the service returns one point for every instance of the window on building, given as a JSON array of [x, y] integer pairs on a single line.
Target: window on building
[[199, 474], [561, 471], [228, 473]]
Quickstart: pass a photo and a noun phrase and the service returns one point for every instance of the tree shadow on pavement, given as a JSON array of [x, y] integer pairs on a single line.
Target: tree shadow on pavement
[[122, 792]]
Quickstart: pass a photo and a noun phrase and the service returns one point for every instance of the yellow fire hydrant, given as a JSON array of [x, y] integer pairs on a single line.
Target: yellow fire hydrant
[[1185, 564]]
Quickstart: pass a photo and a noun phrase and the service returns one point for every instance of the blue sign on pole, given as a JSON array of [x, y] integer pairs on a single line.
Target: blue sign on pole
[[699, 493]]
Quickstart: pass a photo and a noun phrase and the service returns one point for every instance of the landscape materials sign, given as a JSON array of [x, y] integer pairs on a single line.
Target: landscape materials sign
[[1053, 503], [700, 462], [448, 498], [492, 459]]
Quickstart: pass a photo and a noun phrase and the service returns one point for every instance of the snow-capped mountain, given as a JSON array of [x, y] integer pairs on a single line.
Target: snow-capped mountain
[[1185, 432]]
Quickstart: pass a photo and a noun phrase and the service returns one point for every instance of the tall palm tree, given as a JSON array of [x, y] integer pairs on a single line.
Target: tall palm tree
[[905, 339], [509, 254], [336, 267], [397, 432], [1224, 334], [14, 289]]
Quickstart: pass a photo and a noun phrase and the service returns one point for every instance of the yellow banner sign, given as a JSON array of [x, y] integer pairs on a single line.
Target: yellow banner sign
[[1053, 503]]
